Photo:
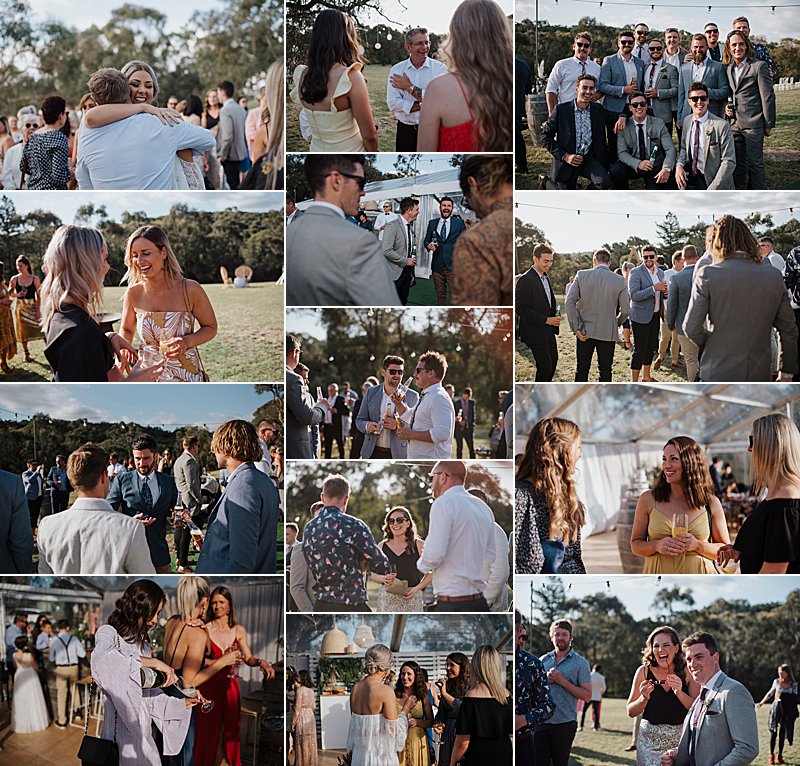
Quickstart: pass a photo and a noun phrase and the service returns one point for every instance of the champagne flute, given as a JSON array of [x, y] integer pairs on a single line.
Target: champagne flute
[[234, 647], [206, 706]]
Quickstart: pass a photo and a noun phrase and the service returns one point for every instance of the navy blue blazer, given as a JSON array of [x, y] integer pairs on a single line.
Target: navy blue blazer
[[124, 496], [16, 538], [242, 532], [443, 255]]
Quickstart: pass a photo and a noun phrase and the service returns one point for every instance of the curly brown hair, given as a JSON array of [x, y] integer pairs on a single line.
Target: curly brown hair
[[137, 606], [649, 657], [547, 463], [696, 479], [419, 689], [411, 533]]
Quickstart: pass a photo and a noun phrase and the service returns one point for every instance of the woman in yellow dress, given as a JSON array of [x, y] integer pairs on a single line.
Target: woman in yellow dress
[[8, 340], [411, 683], [684, 487], [25, 286]]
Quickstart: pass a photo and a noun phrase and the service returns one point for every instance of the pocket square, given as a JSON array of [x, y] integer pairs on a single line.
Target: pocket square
[[714, 708]]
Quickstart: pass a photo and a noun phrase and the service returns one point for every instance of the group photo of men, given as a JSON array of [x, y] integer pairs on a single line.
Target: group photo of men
[[421, 384], [706, 104], [692, 294]]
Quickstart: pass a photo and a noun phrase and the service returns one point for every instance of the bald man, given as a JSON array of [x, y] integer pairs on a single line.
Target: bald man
[[460, 547]]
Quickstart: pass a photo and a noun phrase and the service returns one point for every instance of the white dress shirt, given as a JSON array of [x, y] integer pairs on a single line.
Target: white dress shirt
[[434, 413], [135, 153], [92, 538], [384, 219], [66, 649], [496, 573], [698, 71], [676, 59], [114, 469], [460, 543], [400, 102], [564, 77], [776, 260], [385, 436]]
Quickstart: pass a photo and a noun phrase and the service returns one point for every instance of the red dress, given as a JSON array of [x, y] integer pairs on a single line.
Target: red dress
[[458, 138], [224, 717]]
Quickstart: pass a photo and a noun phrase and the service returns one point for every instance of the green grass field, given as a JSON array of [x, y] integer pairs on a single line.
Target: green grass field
[[377, 77], [781, 150], [248, 346]]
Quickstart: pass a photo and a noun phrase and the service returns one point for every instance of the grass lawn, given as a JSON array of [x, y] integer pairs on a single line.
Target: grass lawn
[[377, 77], [781, 150], [248, 346]]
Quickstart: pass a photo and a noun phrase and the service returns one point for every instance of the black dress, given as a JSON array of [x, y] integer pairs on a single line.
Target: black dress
[[77, 349], [488, 724], [770, 534]]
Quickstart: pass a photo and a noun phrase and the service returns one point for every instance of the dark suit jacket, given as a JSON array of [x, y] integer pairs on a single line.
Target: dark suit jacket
[[467, 414], [242, 532], [443, 255], [300, 414], [124, 496], [533, 309], [559, 138], [336, 417], [16, 538]]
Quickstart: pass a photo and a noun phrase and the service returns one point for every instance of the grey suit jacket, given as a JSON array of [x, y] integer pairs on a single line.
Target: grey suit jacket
[[680, 291], [301, 580], [727, 732], [371, 412], [395, 246], [754, 96], [613, 80], [665, 80], [735, 304], [643, 294], [332, 262], [720, 156], [186, 473], [597, 303], [16, 537], [231, 142], [628, 144], [300, 414], [715, 78]]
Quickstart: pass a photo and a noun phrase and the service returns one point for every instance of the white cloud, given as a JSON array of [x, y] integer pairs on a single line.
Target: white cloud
[[55, 401]]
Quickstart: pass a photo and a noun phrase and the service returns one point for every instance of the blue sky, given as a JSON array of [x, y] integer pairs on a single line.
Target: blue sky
[[638, 591], [153, 203], [602, 217], [159, 404], [683, 14]]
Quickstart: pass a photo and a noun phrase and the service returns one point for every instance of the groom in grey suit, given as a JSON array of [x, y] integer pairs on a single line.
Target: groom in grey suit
[[597, 304], [330, 261], [720, 727], [16, 537], [399, 248], [231, 141]]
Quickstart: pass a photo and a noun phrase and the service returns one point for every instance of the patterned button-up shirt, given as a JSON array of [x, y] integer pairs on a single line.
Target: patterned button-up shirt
[[583, 130], [791, 276], [762, 54], [532, 697], [482, 260], [339, 549]]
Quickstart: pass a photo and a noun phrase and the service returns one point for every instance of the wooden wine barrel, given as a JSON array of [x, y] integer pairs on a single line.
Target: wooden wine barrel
[[627, 508], [536, 111]]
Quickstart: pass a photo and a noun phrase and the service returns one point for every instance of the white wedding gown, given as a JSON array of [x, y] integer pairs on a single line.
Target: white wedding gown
[[375, 741], [28, 711]]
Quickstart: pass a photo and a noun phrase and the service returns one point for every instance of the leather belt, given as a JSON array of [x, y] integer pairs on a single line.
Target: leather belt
[[471, 597], [69, 665]]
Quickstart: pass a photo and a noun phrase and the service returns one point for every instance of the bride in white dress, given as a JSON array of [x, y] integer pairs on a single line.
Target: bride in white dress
[[377, 731], [28, 711]]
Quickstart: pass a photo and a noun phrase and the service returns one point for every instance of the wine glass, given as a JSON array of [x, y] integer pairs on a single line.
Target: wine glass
[[234, 647], [206, 706]]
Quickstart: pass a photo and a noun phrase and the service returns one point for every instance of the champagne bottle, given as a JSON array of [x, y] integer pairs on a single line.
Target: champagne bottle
[[152, 678]]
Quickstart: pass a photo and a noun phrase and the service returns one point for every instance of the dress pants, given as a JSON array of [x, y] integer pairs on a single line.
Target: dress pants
[[749, 172], [595, 705], [524, 753], [330, 434], [441, 281], [182, 537], [669, 340], [645, 342], [66, 678], [546, 357], [520, 150], [605, 358], [231, 168], [468, 435], [406, 137], [34, 507], [381, 453], [591, 169], [59, 500], [403, 283], [697, 181], [356, 443], [553, 742], [622, 173]]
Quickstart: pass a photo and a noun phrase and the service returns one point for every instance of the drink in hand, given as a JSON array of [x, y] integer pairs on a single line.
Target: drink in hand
[[680, 524]]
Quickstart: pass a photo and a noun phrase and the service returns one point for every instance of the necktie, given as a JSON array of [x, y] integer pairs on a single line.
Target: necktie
[[693, 727], [642, 146], [409, 239], [652, 72], [416, 410], [583, 68], [696, 147], [147, 495], [443, 232]]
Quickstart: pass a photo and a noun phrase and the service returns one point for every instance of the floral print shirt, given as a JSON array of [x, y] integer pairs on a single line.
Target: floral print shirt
[[532, 691]]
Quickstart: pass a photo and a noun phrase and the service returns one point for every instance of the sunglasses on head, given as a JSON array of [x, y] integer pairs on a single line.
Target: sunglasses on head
[[698, 98], [583, 45]]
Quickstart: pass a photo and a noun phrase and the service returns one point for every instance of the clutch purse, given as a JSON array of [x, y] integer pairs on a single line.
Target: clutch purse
[[93, 750], [398, 587]]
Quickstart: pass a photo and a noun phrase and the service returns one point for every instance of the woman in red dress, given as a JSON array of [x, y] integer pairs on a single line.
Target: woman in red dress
[[224, 635]]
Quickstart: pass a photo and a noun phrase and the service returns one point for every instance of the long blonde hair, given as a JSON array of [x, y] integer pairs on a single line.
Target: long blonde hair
[[776, 451], [159, 238], [73, 267], [487, 669], [547, 464], [272, 112], [479, 26]]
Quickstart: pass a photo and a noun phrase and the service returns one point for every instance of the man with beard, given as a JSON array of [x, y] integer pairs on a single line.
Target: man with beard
[[660, 84], [565, 73], [702, 68], [570, 680], [268, 434], [440, 239]]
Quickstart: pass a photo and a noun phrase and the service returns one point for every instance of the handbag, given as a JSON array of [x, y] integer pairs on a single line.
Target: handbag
[[203, 374], [554, 552], [95, 751]]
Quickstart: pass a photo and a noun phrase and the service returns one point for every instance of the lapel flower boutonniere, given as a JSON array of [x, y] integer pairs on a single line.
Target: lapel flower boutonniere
[[663, 69], [710, 131]]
